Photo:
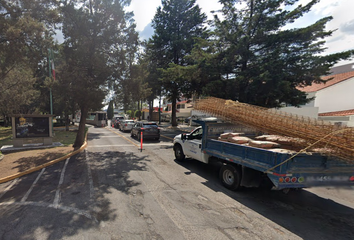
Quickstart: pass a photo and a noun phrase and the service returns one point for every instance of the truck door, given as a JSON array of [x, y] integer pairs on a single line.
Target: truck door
[[193, 146]]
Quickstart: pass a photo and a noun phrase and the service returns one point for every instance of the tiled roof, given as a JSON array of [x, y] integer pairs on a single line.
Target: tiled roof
[[338, 113], [336, 79]]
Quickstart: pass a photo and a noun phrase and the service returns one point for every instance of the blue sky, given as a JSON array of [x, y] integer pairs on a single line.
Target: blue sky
[[340, 10]]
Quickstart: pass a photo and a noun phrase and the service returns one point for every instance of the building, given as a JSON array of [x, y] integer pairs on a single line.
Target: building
[[334, 98], [184, 108]]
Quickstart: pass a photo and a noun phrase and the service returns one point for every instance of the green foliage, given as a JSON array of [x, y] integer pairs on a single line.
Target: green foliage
[[130, 113], [137, 114], [177, 25], [5, 136], [110, 110], [262, 60], [17, 90], [99, 46], [26, 30]]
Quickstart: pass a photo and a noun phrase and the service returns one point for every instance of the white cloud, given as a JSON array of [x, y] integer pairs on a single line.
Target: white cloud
[[209, 5], [144, 12]]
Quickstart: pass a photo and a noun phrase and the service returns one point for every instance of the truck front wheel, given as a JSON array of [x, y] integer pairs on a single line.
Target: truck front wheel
[[179, 153], [230, 177]]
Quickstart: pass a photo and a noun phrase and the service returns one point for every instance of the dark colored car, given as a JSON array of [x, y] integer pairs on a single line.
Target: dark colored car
[[149, 129]]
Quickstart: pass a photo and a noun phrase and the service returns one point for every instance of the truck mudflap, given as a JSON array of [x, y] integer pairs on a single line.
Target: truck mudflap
[[282, 181]]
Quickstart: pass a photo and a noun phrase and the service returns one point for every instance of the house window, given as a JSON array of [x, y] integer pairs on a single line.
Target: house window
[[180, 106]]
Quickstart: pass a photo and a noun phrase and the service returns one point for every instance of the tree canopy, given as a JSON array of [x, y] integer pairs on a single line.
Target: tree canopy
[[99, 43], [262, 60], [177, 24]]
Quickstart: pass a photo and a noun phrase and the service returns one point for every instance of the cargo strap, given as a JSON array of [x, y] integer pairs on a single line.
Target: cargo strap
[[304, 150]]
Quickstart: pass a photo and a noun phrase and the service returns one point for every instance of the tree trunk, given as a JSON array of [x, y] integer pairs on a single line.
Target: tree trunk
[[67, 121], [151, 109], [80, 136], [174, 110]]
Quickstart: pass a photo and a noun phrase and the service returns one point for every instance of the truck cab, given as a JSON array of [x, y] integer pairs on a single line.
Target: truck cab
[[190, 145]]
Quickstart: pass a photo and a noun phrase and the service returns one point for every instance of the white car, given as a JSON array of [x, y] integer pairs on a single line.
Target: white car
[[126, 125]]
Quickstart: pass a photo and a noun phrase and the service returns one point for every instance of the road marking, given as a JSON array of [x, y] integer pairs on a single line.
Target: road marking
[[63, 208], [109, 136], [61, 180], [124, 137], [31, 188], [166, 137], [92, 190], [129, 145], [119, 145], [9, 187]]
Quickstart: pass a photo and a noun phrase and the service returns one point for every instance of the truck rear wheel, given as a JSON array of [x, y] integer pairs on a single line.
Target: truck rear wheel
[[230, 177], [179, 153]]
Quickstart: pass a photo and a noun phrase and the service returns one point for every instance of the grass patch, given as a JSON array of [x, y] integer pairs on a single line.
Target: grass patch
[[65, 137], [5, 136]]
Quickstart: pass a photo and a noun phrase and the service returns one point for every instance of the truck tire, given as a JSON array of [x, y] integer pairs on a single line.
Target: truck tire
[[179, 153], [230, 177]]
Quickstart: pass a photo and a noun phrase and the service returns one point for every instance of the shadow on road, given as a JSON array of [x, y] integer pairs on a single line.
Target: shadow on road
[[78, 212], [299, 211]]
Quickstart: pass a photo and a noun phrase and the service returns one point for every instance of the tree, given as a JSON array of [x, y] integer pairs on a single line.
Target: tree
[[176, 25], [26, 30], [96, 36], [19, 98], [110, 110], [264, 61]]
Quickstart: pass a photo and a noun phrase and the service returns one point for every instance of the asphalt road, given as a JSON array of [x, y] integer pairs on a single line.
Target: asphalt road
[[115, 190]]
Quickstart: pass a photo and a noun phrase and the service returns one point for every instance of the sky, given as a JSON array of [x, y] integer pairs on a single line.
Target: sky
[[341, 11]]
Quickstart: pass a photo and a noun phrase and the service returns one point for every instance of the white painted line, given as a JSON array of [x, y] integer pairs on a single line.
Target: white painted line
[[9, 187], [42, 204], [61, 180], [158, 144], [31, 188], [114, 136], [89, 176], [121, 145], [126, 145]]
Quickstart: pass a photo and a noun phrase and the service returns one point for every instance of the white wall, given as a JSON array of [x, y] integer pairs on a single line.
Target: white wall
[[311, 112], [337, 97], [312, 103]]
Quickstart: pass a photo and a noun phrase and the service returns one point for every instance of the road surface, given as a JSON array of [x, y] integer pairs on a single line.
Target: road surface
[[115, 190]]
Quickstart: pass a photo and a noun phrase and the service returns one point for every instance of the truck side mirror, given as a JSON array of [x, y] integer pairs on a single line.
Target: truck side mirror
[[184, 136]]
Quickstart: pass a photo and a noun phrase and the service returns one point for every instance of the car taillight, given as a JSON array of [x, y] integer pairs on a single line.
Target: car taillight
[[126, 125], [142, 128]]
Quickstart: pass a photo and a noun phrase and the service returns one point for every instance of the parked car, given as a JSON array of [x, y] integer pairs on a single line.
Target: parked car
[[126, 125], [149, 129], [116, 121]]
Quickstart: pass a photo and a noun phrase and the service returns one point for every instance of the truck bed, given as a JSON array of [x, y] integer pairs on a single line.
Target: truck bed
[[302, 170]]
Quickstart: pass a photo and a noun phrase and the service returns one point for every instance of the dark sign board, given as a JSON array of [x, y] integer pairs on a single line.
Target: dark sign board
[[31, 127]]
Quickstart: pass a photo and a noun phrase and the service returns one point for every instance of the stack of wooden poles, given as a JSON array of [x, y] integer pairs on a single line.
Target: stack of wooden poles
[[313, 134]]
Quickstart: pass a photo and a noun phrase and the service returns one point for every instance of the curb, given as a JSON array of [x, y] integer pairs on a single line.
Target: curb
[[17, 175]]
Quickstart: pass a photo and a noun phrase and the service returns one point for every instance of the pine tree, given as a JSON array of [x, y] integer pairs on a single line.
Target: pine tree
[[262, 60], [176, 25]]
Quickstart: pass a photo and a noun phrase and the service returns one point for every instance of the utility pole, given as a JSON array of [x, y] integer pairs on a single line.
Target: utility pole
[[51, 69]]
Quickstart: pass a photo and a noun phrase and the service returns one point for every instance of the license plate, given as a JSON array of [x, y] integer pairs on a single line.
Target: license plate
[[328, 179]]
